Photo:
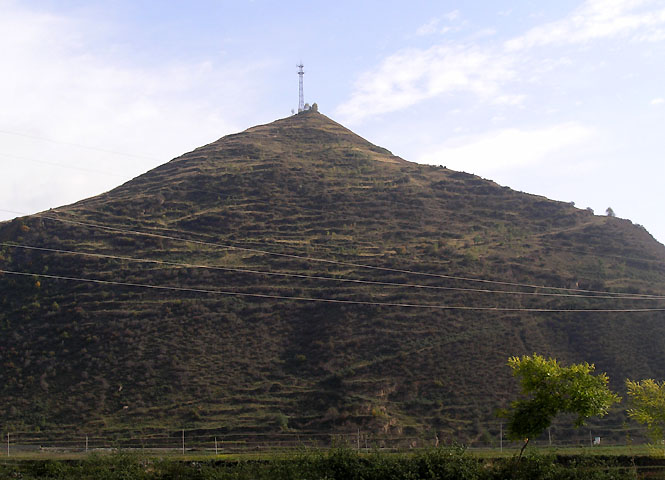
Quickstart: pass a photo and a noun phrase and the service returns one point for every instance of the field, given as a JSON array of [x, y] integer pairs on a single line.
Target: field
[[344, 462]]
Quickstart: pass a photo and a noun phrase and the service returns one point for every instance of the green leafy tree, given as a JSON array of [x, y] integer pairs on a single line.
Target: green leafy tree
[[647, 405], [548, 389]]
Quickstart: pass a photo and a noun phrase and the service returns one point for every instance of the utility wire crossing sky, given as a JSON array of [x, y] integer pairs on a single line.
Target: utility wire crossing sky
[[562, 99], [568, 293]]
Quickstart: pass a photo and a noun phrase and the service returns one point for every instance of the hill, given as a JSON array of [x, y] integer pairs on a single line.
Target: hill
[[297, 277]]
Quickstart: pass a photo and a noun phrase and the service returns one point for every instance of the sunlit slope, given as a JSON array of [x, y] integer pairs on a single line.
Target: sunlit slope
[[296, 327]]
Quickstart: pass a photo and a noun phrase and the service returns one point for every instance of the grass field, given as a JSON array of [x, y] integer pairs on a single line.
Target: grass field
[[452, 462], [276, 453]]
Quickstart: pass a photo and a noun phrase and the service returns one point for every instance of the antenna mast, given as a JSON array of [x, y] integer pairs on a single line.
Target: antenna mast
[[301, 96]]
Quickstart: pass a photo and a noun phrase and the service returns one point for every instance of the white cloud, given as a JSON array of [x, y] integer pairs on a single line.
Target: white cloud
[[429, 28], [452, 16], [58, 88], [650, 36], [413, 75], [433, 25], [593, 20], [658, 101], [507, 148], [509, 99], [487, 69]]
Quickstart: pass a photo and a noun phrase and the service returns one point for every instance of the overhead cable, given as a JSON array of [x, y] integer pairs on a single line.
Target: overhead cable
[[321, 277], [331, 300], [332, 262], [328, 261], [78, 145]]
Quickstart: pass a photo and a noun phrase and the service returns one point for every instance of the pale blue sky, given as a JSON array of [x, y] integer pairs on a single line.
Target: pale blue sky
[[564, 99]]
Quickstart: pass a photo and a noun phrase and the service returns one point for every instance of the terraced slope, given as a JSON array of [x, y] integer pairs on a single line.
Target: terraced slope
[[230, 347]]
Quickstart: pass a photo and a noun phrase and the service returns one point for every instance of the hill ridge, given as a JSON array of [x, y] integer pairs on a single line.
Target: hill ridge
[[307, 184]]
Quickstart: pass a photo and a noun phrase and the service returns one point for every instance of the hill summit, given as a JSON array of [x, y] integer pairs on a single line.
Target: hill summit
[[297, 278]]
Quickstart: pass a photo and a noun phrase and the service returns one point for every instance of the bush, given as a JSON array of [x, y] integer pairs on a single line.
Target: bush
[[343, 463]]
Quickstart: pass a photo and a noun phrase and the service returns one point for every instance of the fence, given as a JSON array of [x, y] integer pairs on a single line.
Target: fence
[[217, 442]]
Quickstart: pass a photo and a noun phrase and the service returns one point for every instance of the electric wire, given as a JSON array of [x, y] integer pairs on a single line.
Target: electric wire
[[321, 277], [26, 436], [332, 300], [60, 165], [357, 265], [336, 262], [541, 235], [328, 261], [78, 145], [319, 212]]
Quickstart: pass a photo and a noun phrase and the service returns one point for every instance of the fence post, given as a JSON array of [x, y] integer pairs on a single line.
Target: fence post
[[7, 443], [183, 441], [215, 445], [86, 443], [501, 437]]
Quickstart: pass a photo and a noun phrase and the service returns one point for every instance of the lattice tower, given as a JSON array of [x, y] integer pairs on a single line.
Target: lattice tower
[[301, 95]]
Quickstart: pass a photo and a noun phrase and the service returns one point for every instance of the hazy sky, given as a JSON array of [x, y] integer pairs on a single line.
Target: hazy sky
[[564, 99]]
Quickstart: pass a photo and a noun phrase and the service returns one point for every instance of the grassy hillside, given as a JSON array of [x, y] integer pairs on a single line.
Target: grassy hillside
[[108, 356]]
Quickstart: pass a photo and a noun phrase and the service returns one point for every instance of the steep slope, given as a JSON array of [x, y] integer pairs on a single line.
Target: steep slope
[[304, 196]]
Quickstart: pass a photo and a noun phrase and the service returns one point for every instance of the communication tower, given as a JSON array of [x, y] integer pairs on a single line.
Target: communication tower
[[301, 96]]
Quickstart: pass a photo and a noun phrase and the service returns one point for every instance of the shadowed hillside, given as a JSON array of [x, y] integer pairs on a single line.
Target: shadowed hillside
[[290, 214]]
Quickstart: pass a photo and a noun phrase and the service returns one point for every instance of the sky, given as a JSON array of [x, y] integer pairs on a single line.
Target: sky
[[563, 99]]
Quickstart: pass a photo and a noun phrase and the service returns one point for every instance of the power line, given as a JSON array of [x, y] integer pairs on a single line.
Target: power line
[[541, 235], [544, 236], [200, 242], [331, 300], [78, 145], [538, 235], [83, 169], [321, 277], [334, 262]]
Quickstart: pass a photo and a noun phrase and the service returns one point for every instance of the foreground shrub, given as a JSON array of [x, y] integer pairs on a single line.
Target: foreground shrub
[[448, 463]]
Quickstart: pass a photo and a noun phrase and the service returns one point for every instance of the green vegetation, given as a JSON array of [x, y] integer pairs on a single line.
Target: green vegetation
[[450, 463], [83, 358], [647, 400], [550, 389]]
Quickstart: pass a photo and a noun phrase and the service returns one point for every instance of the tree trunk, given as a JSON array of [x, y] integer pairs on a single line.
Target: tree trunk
[[522, 451]]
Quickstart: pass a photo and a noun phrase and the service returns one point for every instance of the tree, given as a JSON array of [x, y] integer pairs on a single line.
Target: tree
[[548, 389], [647, 401], [610, 212]]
